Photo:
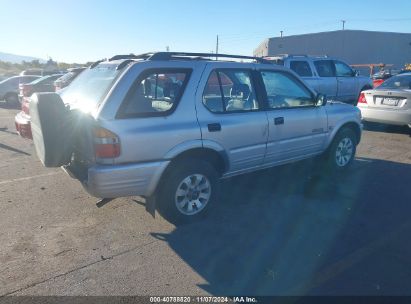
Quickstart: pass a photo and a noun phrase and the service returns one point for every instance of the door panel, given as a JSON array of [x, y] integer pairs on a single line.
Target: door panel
[[346, 82], [230, 116], [326, 72], [297, 128], [302, 133]]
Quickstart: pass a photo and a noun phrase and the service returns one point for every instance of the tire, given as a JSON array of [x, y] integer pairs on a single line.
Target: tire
[[341, 152], [51, 128], [186, 185], [12, 99]]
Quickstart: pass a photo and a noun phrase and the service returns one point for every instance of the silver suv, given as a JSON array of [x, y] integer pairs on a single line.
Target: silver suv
[[173, 124], [326, 75]]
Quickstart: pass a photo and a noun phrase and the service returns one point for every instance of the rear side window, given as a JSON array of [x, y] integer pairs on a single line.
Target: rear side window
[[325, 68], [229, 91], [156, 93], [302, 68]]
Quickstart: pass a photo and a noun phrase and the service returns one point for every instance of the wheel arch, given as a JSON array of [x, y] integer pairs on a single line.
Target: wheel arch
[[354, 126], [216, 158]]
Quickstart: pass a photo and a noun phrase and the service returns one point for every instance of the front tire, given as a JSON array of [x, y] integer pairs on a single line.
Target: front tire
[[341, 153], [188, 191]]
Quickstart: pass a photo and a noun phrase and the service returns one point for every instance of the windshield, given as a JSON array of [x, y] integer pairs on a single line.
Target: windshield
[[397, 82], [89, 88]]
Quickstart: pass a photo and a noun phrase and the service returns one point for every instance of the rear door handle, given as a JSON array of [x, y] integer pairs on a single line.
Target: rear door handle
[[214, 127], [279, 120]]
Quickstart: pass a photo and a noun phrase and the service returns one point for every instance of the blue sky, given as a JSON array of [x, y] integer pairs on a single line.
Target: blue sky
[[79, 31]]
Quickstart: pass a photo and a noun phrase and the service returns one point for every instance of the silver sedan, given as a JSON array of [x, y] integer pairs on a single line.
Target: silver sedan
[[390, 103]]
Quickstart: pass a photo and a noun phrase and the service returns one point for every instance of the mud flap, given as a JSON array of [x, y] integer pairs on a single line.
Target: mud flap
[[151, 205]]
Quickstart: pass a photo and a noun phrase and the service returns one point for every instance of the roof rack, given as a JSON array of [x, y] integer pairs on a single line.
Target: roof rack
[[197, 56], [296, 55], [164, 56]]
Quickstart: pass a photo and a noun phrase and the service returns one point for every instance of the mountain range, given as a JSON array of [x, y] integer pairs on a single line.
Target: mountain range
[[17, 58]]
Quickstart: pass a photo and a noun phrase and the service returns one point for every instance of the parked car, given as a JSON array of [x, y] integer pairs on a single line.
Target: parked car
[[43, 84], [9, 88], [155, 124], [381, 76], [67, 78], [22, 119], [326, 75], [389, 103]]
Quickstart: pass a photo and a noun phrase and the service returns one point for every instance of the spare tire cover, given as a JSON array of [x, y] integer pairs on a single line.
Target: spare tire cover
[[51, 128]]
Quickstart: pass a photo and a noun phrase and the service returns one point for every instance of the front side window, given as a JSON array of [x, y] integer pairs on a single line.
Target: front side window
[[302, 68], [343, 70], [229, 91], [325, 68], [285, 91], [156, 92]]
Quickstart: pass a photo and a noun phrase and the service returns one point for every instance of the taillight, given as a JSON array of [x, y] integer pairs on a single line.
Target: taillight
[[27, 90], [362, 99], [106, 143], [25, 106]]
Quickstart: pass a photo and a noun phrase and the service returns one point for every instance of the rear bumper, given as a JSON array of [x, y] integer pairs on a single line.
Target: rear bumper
[[111, 181], [386, 116], [23, 127]]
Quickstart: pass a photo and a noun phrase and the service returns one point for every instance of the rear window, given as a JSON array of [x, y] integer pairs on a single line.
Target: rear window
[[90, 87], [397, 82], [28, 79], [45, 79]]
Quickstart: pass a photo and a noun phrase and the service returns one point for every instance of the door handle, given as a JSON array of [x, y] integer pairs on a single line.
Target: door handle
[[279, 120], [214, 127]]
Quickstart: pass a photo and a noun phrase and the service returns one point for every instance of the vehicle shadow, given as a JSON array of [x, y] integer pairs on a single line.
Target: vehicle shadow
[[286, 231], [375, 127]]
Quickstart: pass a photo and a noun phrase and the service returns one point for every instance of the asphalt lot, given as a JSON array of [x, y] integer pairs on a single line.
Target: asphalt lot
[[283, 231]]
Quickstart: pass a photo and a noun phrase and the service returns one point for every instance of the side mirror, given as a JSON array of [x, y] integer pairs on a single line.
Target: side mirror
[[321, 100]]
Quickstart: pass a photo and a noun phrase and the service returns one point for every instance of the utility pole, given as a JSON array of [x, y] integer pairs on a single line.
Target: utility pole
[[343, 23], [216, 49], [281, 34]]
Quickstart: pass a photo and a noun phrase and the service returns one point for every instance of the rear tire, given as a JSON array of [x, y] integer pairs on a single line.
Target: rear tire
[[188, 191], [341, 153]]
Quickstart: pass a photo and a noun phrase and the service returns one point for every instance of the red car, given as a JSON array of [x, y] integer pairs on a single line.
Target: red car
[[22, 119]]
